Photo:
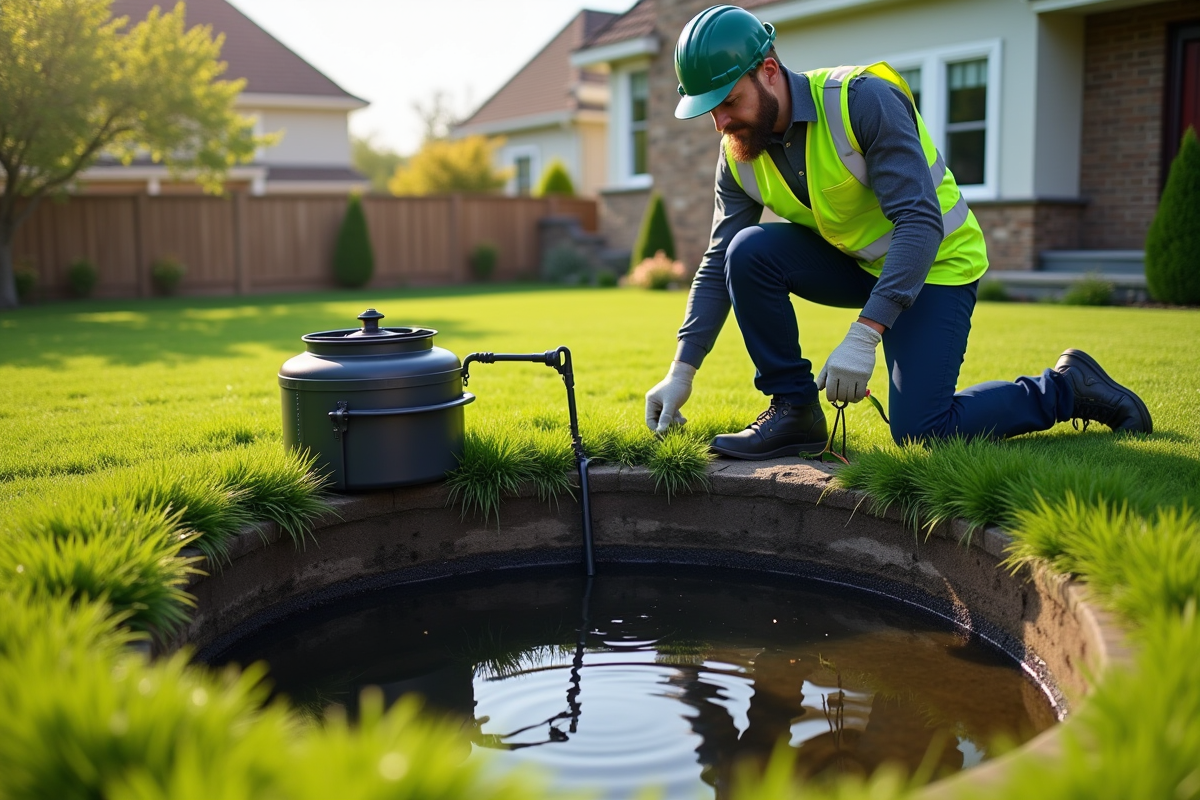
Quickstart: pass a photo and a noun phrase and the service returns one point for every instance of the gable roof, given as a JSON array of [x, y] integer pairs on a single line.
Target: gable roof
[[267, 65], [546, 84], [635, 23]]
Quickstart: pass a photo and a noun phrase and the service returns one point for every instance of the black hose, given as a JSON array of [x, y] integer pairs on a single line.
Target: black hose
[[558, 359]]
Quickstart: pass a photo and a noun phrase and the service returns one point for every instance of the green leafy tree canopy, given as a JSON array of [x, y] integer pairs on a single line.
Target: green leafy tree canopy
[[377, 162], [555, 181], [75, 83], [1173, 241], [444, 166]]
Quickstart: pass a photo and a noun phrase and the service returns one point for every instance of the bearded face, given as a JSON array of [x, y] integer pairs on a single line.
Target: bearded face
[[748, 139]]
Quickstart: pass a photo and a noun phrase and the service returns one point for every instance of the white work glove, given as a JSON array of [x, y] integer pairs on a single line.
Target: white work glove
[[668, 396], [845, 374]]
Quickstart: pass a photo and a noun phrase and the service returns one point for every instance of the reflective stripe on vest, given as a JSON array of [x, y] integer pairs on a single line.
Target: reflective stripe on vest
[[854, 161]]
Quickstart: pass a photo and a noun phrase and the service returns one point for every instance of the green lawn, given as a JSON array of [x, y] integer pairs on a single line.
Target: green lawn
[[97, 386], [132, 428]]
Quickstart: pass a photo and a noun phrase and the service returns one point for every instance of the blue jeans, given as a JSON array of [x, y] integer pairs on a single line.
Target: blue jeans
[[923, 350]]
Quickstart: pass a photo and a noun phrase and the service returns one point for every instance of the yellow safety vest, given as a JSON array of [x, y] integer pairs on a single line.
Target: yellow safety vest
[[844, 209]]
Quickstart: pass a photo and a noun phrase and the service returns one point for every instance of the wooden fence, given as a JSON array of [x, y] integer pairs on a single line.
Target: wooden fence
[[242, 244]]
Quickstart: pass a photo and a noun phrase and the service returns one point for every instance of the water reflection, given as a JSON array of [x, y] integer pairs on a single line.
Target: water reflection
[[674, 680]]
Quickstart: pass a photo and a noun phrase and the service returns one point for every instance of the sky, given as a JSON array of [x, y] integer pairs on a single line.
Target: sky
[[397, 52]]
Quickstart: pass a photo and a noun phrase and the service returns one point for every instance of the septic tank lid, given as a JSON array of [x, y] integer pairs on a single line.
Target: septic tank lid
[[370, 330]]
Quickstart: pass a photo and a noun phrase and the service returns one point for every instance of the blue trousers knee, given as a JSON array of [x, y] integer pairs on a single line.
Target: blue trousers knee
[[923, 351]]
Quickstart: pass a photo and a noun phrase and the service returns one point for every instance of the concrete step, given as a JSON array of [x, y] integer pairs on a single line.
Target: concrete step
[[1106, 262]]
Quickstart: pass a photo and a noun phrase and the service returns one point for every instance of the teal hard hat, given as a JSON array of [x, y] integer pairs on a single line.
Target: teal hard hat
[[715, 49]]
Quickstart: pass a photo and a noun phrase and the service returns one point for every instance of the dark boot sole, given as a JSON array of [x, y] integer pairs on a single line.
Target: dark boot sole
[[802, 450], [1143, 411]]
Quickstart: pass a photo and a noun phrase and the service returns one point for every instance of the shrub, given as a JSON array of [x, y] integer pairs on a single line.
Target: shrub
[[166, 273], [565, 264], [992, 292], [81, 276], [555, 180], [659, 272], [483, 260], [353, 259], [1173, 241], [606, 278], [25, 275], [654, 234], [1091, 290]]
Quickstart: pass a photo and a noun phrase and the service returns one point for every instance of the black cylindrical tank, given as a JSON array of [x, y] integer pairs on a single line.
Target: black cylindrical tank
[[378, 407]]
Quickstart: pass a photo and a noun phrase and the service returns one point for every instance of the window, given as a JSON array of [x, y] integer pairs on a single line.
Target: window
[[913, 78], [523, 162], [966, 120], [523, 174], [639, 94], [957, 90]]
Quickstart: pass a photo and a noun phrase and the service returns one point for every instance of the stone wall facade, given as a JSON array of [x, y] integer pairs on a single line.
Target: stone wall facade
[[621, 215], [682, 152], [1125, 59]]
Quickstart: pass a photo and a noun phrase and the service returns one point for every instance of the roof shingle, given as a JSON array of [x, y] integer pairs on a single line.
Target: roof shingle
[[267, 65]]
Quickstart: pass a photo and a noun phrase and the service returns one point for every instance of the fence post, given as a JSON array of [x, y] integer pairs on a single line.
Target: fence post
[[457, 230], [240, 268], [141, 247]]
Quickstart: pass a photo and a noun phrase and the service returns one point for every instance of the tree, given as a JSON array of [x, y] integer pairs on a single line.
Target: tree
[[654, 233], [1173, 241], [443, 166], [378, 163], [76, 83], [555, 181], [353, 258]]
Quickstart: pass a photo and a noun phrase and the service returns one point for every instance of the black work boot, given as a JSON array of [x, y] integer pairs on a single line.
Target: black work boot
[[781, 430], [1098, 398]]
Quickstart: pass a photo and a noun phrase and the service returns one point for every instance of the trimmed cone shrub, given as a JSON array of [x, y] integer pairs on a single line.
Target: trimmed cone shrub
[[483, 260], [353, 259], [81, 275], [555, 181], [1173, 242], [654, 236], [166, 273]]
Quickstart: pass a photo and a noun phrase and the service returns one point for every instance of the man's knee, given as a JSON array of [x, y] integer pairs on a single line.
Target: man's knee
[[747, 254]]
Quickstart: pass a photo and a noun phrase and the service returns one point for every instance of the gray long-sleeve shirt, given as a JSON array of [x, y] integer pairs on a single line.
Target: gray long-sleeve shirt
[[884, 124]]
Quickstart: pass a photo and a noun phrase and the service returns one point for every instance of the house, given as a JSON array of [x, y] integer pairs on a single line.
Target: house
[[551, 109], [283, 93], [1058, 117]]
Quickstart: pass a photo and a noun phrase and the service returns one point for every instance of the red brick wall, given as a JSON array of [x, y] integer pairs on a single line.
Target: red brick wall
[[1125, 60], [1017, 232]]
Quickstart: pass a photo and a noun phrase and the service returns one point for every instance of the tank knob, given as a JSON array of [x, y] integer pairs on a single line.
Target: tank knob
[[370, 320]]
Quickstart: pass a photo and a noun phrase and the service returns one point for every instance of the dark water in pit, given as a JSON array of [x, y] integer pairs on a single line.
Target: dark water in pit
[[678, 674]]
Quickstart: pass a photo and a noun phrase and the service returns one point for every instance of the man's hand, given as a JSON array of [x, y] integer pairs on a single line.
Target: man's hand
[[844, 376], [665, 399]]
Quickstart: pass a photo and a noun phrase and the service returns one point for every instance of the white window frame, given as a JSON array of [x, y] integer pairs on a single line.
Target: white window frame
[[620, 132], [511, 154], [933, 64]]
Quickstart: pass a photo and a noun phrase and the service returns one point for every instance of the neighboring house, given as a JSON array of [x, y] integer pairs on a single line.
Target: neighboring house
[[283, 92], [551, 109], [1058, 117]]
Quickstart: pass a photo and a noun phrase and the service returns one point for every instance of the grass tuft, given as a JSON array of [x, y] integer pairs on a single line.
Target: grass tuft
[[284, 488], [680, 462], [491, 466], [122, 555]]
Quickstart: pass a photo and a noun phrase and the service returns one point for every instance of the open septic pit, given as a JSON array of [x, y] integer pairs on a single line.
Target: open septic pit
[[649, 676], [704, 632]]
